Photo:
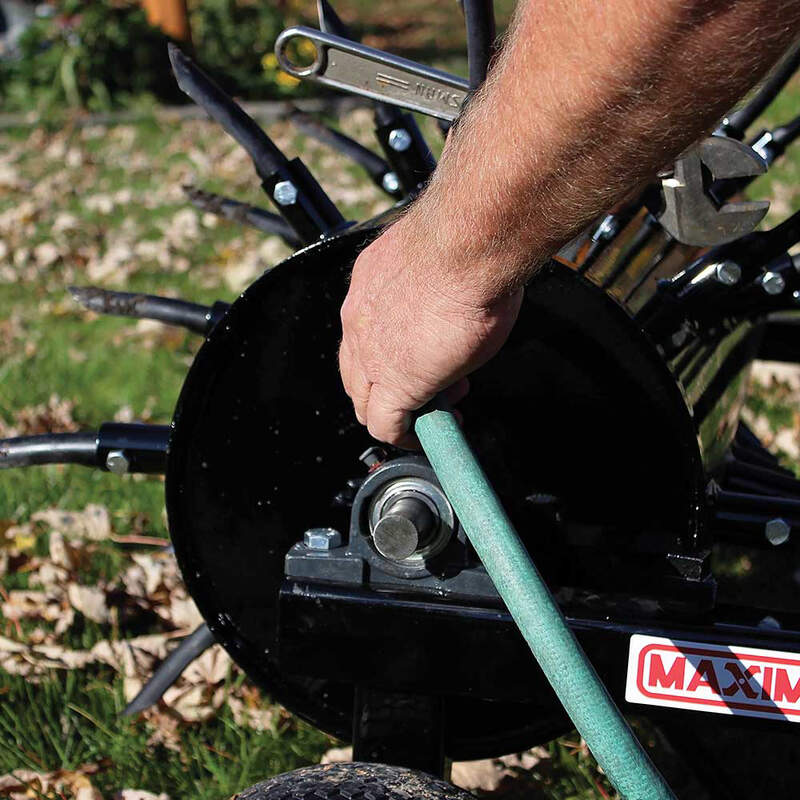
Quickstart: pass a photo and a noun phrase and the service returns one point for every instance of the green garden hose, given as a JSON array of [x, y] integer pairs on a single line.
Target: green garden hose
[[533, 608]]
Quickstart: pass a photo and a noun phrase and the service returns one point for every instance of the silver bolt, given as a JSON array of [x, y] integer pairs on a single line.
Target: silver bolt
[[728, 273], [777, 531], [117, 462], [285, 193], [390, 182], [772, 282], [399, 139], [322, 538], [796, 296], [607, 229]]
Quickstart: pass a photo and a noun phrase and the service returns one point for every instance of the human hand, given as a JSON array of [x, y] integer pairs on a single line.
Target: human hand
[[414, 325]]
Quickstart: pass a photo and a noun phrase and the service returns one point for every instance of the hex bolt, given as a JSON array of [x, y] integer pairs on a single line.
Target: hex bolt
[[117, 462], [390, 182], [285, 193], [372, 456], [322, 538], [607, 229], [772, 282], [728, 273], [777, 531], [399, 139]]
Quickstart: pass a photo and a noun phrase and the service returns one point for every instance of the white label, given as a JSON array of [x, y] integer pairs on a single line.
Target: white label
[[715, 678]]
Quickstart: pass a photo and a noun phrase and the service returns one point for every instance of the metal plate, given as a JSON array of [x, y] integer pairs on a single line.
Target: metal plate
[[578, 404]]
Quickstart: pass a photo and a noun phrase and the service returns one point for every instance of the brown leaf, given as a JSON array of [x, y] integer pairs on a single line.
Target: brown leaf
[[90, 601], [92, 523], [24, 784]]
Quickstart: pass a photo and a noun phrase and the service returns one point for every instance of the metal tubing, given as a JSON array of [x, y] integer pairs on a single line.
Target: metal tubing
[[192, 80], [193, 316], [243, 213], [298, 197], [137, 448], [192, 647], [479, 18], [737, 123], [372, 163], [533, 608], [49, 448]]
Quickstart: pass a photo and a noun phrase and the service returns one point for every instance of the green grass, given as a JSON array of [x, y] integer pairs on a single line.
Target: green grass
[[74, 719]]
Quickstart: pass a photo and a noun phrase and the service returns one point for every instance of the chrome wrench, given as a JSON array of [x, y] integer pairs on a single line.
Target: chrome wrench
[[372, 73], [688, 212]]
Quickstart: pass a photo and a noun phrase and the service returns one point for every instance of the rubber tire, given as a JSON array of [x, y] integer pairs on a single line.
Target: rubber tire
[[354, 781]]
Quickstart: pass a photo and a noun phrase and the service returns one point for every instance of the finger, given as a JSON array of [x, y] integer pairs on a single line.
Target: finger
[[387, 418], [354, 381]]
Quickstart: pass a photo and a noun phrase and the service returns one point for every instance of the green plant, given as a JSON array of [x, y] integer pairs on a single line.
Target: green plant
[[89, 54], [105, 55], [233, 41]]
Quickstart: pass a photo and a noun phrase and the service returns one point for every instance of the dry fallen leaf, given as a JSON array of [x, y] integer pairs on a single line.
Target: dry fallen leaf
[[90, 601], [24, 784], [92, 523]]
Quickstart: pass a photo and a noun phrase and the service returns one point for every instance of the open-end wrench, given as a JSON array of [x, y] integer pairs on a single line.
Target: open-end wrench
[[690, 214], [688, 210], [373, 73]]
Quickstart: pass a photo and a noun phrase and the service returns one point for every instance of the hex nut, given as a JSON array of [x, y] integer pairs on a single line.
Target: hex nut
[[285, 193], [322, 538], [399, 139], [728, 273], [117, 462], [777, 531], [773, 283], [390, 182]]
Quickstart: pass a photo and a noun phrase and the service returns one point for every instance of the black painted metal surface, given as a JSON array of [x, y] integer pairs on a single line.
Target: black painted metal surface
[[580, 404]]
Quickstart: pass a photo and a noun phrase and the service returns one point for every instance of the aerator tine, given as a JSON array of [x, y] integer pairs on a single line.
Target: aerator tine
[[243, 213], [737, 122], [190, 649], [376, 167], [330, 21], [298, 197], [116, 447], [193, 316]]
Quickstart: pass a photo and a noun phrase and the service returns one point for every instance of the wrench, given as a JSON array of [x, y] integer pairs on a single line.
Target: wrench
[[372, 73], [690, 214]]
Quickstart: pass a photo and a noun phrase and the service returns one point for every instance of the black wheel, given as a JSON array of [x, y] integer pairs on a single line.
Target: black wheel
[[354, 781]]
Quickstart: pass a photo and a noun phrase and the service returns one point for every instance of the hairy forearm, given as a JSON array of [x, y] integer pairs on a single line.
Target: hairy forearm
[[585, 103]]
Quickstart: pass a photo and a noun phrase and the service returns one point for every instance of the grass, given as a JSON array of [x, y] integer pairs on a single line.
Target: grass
[[106, 368]]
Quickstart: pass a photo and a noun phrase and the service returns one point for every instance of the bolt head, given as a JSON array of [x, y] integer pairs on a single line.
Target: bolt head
[[796, 296], [117, 462], [390, 182], [773, 283], [728, 273], [372, 456], [322, 538], [399, 139], [285, 193], [777, 531]]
